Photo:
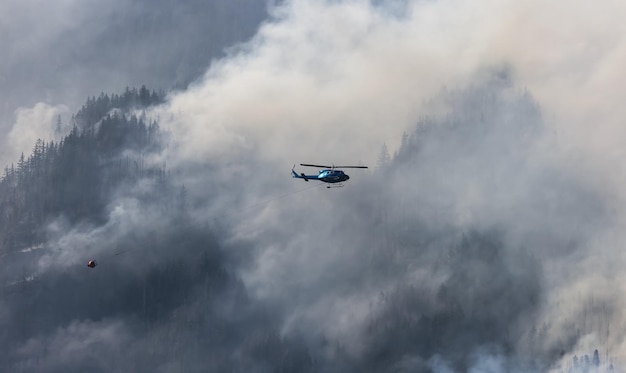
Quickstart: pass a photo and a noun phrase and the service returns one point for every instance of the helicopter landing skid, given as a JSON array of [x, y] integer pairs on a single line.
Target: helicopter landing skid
[[334, 186]]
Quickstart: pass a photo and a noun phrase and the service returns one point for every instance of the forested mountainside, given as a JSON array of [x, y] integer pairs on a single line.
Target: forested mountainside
[[74, 177], [434, 263], [166, 280]]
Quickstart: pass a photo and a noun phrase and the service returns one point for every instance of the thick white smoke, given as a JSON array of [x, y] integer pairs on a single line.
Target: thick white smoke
[[341, 78], [39, 122], [330, 82]]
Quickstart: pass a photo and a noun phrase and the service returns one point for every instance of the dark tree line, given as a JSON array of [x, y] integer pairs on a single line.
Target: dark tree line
[[132, 98], [75, 176], [590, 364]]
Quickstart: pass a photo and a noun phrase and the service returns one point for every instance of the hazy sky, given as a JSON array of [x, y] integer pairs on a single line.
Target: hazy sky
[[56, 54], [331, 82]]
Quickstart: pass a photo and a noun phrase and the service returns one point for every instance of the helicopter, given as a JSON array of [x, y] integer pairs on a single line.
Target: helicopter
[[329, 174]]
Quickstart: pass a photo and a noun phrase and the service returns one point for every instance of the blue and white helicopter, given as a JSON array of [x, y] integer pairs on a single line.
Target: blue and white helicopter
[[329, 174]]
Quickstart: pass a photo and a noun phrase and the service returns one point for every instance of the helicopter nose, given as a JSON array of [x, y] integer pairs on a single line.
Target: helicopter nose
[[347, 177]]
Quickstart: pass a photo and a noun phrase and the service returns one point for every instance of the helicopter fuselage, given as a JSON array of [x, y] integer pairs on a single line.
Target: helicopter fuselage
[[332, 176], [327, 176]]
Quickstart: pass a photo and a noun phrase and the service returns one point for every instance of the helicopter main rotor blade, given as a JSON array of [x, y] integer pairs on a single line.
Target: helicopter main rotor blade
[[324, 166], [315, 165]]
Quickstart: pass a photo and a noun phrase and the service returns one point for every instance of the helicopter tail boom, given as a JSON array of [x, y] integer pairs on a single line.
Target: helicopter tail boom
[[295, 175], [301, 176]]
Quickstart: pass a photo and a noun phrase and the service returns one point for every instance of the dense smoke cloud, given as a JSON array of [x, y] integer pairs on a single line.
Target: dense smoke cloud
[[311, 87], [489, 243]]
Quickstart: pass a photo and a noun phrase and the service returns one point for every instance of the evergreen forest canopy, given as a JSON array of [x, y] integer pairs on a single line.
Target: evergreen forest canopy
[[75, 177], [448, 295]]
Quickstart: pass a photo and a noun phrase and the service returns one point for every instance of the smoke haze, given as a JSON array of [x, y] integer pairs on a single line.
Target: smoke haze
[[491, 241]]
